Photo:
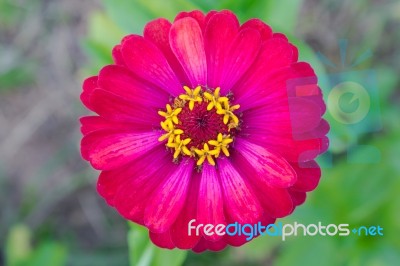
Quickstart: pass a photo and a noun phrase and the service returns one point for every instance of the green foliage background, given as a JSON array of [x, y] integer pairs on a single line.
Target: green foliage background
[[358, 194]]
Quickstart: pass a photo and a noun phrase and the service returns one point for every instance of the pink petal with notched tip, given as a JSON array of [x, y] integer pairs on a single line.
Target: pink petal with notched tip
[[220, 32], [229, 13], [187, 43], [117, 55], [257, 24], [146, 61], [240, 57], [275, 54], [162, 240], [195, 14], [308, 174], [203, 245], [89, 85], [157, 32], [298, 197]]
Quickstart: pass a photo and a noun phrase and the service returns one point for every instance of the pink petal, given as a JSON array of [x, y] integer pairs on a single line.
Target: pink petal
[[224, 12], [240, 202], [279, 35], [257, 24], [270, 168], [220, 33], [113, 107], [303, 83], [275, 201], [120, 81], [241, 55], [298, 197], [187, 43], [318, 132], [275, 54], [157, 32], [131, 177], [305, 115], [295, 56], [117, 55], [162, 240], [95, 123], [138, 182], [179, 230], [308, 174], [89, 85], [196, 14], [292, 150], [203, 245], [108, 150], [168, 201], [146, 61], [210, 202]]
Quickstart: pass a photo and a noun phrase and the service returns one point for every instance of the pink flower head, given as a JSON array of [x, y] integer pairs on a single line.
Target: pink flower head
[[204, 119]]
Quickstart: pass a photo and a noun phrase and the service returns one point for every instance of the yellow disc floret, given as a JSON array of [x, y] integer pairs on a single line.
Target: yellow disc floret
[[171, 132], [221, 144], [171, 115], [191, 112], [191, 96], [227, 112], [215, 99], [180, 146], [205, 153]]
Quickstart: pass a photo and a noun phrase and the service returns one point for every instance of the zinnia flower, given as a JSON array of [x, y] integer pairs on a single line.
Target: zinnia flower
[[204, 119]]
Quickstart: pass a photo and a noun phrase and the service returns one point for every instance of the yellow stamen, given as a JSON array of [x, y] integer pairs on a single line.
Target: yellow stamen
[[221, 144], [191, 96], [215, 100], [227, 112], [171, 115], [205, 153], [171, 132], [180, 146]]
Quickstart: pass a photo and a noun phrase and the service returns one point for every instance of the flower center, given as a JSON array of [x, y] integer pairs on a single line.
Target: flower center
[[199, 124]]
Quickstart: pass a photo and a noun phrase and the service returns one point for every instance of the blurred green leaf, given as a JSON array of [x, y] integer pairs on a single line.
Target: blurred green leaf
[[282, 15], [360, 194], [19, 251], [308, 250], [18, 246], [10, 13], [132, 15], [49, 253], [103, 35], [15, 71], [143, 253], [18, 76]]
